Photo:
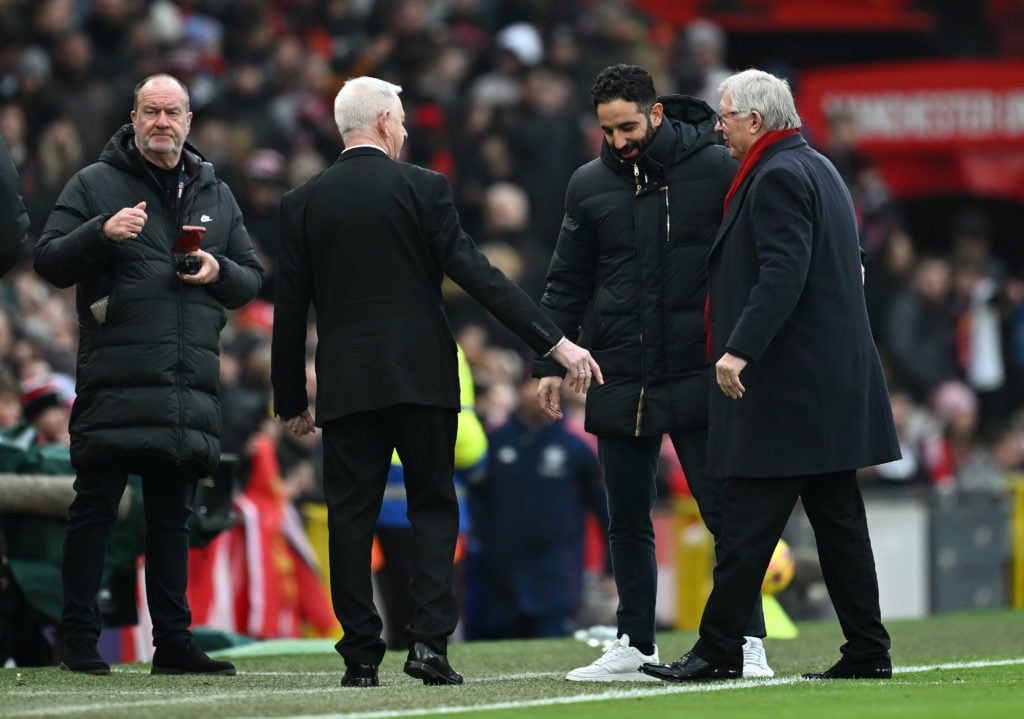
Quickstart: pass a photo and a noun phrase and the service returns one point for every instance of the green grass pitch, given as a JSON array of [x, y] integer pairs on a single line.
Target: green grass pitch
[[951, 666]]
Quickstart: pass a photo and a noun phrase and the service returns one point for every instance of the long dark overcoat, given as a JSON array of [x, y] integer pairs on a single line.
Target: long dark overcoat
[[786, 293]]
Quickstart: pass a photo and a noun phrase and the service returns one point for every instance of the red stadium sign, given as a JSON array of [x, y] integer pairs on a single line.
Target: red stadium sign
[[933, 127]]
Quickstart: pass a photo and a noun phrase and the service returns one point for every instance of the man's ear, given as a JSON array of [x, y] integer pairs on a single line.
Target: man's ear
[[657, 114]]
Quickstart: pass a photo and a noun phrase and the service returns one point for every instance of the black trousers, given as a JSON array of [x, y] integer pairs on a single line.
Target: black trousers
[[168, 491], [630, 465], [755, 512], [393, 579], [357, 454]]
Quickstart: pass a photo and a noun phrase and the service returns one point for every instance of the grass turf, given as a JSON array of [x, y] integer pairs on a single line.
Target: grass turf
[[934, 679]]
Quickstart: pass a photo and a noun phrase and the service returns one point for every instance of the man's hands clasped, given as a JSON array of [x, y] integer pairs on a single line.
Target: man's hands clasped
[[581, 370]]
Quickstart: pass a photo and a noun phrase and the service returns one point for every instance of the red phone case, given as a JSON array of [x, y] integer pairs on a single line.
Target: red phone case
[[189, 238]]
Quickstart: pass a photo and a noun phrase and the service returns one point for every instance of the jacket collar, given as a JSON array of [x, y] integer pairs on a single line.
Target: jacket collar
[[792, 142]]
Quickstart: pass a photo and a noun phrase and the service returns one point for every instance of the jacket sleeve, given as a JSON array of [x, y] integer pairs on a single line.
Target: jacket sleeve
[[469, 268], [783, 238], [241, 274], [13, 216], [570, 281], [292, 296], [72, 243]]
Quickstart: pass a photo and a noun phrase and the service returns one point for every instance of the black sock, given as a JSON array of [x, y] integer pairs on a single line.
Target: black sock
[[645, 649]]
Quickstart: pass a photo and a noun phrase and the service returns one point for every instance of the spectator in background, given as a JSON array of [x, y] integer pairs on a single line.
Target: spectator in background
[[525, 582], [700, 60], [13, 216], [10, 401], [259, 200], [980, 286], [910, 471], [148, 365], [59, 157], [955, 405], [46, 410], [987, 469], [920, 330]]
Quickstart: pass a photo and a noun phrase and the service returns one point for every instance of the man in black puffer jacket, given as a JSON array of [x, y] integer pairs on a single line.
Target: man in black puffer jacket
[[148, 360], [628, 278]]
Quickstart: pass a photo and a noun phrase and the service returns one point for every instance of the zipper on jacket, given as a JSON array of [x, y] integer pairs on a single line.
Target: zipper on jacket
[[668, 216], [177, 380], [639, 412], [636, 177]]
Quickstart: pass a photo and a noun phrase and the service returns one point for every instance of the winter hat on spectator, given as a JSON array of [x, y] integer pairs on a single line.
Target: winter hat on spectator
[[39, 394]]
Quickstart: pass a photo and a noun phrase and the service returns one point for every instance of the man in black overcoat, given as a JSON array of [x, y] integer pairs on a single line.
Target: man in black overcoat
[[801, 402], [368, 243]]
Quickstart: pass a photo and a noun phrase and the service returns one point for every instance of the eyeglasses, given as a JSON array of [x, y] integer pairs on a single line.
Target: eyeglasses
[[723, 115]]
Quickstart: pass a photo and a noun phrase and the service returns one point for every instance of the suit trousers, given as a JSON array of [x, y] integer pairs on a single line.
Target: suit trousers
[[168, 491], [357, 454], [630, 465], [755, 512]]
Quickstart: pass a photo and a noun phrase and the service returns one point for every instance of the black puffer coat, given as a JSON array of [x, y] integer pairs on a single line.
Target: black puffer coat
[[628, 276], [149, 375]]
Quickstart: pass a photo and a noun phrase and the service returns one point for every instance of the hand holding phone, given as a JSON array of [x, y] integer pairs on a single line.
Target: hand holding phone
[[189, 239]]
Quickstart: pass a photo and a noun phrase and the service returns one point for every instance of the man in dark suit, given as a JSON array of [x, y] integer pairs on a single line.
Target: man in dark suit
[[787, 313], [368, 242]]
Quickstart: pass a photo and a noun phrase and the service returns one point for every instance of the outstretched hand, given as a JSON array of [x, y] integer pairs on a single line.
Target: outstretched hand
[[582, 369]]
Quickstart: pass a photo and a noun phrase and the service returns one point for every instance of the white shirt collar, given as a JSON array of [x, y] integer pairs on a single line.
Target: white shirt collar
[[375, 147]]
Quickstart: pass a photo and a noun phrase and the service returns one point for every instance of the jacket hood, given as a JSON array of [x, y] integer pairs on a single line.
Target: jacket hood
[[122, 153], [690, 126]]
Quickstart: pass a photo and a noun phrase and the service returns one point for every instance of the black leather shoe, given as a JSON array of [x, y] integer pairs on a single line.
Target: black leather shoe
[[360, 675], [433, 668], [689, 668], [188, 658], [846, 669], [80, 655]]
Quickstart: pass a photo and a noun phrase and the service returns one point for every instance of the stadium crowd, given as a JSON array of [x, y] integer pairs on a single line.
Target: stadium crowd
[[496, 99]]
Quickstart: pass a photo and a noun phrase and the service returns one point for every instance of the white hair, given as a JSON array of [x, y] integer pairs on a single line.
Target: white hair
[[361, 100], [769, 95]]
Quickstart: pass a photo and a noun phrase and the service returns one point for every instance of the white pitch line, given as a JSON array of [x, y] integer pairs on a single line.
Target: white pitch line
[[646, 690]]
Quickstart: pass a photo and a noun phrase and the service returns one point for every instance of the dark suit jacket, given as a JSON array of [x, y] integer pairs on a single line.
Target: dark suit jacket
[[369, 241], [786, 294]]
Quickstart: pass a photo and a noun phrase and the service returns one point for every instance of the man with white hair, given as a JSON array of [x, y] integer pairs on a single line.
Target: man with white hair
[[801, 402], [368, 243]]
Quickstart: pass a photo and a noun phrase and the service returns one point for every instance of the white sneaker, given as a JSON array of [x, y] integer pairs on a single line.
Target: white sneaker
[[619, 663], [755, 663]]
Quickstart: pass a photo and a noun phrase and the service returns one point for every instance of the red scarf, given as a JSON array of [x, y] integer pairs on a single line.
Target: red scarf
[[749, 160]]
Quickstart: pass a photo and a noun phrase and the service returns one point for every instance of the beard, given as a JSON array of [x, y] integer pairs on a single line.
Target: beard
[[640, 145]]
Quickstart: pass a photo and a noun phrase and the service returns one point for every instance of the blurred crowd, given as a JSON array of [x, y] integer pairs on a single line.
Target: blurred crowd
[[495, 93]]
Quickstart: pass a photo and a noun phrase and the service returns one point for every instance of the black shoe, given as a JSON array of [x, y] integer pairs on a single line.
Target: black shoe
[[80, 655], [689, 668], [360, 675], [188, 658], [433, 668], [847, 669]]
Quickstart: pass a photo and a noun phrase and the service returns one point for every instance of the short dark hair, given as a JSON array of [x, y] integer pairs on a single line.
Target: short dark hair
[[631, 83]]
